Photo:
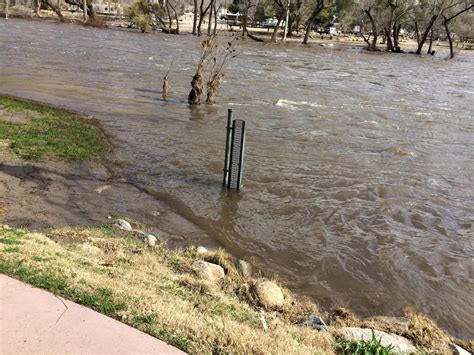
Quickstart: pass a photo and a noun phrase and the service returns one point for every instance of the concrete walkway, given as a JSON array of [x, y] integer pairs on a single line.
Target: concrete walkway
[[36, 321]]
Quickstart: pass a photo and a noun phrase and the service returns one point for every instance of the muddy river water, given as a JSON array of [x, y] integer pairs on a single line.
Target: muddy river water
[[359, 168]]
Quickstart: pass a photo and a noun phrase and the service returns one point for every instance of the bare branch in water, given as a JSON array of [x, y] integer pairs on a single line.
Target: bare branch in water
[[216, 54]]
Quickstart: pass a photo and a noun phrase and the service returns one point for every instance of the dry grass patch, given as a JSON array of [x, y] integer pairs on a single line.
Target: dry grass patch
[[144, 290], [425, 334]]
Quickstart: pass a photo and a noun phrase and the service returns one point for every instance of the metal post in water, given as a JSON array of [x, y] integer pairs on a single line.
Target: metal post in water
[[227, 139], [236, 154], [241, 156]]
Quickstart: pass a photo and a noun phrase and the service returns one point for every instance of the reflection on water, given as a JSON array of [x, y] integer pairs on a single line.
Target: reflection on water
[[359, 168]]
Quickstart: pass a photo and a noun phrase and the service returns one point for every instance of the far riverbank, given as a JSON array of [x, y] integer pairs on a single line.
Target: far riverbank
[[338, 42]]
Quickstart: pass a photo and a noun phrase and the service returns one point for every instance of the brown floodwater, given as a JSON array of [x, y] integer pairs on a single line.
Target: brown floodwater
[[359, 168]]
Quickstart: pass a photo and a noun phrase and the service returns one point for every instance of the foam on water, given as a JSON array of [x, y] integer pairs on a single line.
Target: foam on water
[[296, 105]]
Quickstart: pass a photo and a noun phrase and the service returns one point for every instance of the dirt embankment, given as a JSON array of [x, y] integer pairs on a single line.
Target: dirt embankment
[[58, 191]]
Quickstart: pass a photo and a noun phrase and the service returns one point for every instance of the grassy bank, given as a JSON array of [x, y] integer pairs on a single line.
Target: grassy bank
[[156, 290], [38, 132]]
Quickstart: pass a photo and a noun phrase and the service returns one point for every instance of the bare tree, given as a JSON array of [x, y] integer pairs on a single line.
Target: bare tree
[[369, 11], [318, 7], [244, 7], [212, 10], [449, 13], [216, 10], [220, 58], [197, 83], [280, 11], [203, 9], [423, 23], [395, 12], [218, 53], [287, 17]]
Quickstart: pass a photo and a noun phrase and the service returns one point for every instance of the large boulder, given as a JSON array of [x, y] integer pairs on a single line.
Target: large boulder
[[151, 240], [269, 294], [123, 224], [148, 238], [202, 250], [400, 344], [457, 350], [208, 271]]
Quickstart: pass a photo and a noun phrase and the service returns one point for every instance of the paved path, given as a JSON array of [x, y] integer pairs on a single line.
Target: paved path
[[36, 321]]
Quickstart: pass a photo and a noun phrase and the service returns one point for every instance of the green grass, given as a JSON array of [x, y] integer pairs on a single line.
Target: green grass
[[54, 134], [101, 300], [363, 347]]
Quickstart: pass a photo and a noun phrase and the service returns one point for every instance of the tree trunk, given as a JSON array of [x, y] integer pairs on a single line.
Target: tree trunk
[[202, 14], [417, 32], [307, 30], [388, 29], [431, 41], [37, 6], [299, 3], [422, 41], [56, 9], [209, 25], [450, 40], [244, 27], [199, 25], [195, 17], [175, 17], [90, 7], [372, 46], [214, 31], [84, 10], [309, 26], [389, 40], [275, 30], [396, 37], [170, 19], [287, 17], [7, 4], [291, 21]]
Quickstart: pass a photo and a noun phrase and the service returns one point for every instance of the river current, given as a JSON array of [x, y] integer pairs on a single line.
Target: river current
[[359, 168]]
